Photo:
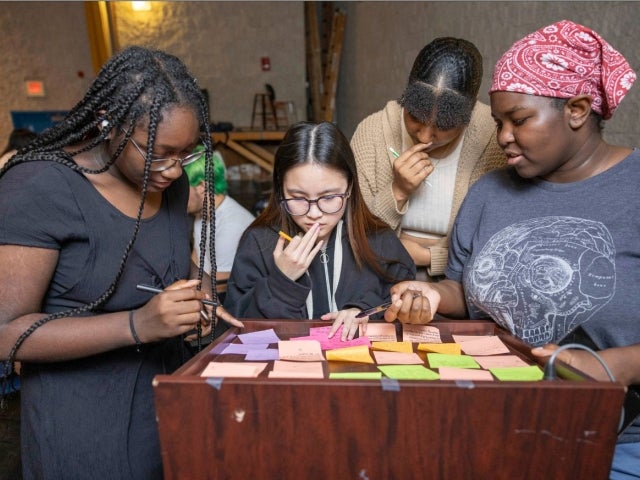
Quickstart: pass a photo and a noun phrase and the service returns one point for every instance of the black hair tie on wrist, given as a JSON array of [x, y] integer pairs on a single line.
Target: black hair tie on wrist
[[133, 332]]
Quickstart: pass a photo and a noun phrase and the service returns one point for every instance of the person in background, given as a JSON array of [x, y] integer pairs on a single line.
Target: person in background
[[93, 207], [334, 258], [548, 247], [417, 157], [231, 218], [20, 137]]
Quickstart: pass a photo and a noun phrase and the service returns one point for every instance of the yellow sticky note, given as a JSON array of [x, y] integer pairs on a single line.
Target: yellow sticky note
[[448, 348], [406, 347], [359, 354]]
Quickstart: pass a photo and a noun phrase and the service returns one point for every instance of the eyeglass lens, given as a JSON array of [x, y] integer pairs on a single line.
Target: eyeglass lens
[[160, 164], [326, 204]]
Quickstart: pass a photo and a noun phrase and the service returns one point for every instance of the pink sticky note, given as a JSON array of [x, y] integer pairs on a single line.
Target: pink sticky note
[[481, 345], [420, 334], [321, 335], [453, 373], [380, 332], [493, 361]]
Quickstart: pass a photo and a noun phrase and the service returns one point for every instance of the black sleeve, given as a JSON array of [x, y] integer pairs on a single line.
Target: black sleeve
[[257, 288]]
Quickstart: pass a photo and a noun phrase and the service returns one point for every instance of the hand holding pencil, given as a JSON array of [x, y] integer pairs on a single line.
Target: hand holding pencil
[[410, 169], [413, 302], [175, 310], [293, 255]]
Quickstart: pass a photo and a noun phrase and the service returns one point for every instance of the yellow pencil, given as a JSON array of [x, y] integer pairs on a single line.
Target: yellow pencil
[[284, 235]]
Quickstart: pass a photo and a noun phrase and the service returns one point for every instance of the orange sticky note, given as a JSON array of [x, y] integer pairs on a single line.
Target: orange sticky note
[[450, 348], [420, 333], [397, 358], [406, 347], [233, 369], [453, 373], [300, 350], [296, 370], [359, 354], [380, 332], [481, 345]]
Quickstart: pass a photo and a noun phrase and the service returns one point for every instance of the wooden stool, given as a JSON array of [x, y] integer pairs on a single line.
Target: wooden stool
[[285, 112], [264, 109]]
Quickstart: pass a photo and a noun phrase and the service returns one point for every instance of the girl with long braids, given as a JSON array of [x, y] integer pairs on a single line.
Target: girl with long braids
[[334, 258], [93, 207]]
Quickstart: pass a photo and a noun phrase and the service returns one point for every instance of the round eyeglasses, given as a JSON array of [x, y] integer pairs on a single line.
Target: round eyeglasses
[[160, 164], [326, 204]]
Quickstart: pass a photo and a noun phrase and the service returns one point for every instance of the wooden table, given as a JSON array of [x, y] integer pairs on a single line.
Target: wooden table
[[350, 429], [243, 143]]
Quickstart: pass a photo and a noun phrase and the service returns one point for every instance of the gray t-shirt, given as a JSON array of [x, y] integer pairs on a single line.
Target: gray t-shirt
[[543, 258]]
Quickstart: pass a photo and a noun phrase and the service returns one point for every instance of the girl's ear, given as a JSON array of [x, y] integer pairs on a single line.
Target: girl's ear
[[579, 110]]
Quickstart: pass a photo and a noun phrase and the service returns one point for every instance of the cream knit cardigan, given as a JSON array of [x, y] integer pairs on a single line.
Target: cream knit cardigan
[[381, 130]]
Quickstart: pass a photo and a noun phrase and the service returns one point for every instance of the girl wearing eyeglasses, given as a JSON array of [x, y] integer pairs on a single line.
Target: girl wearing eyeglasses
[[341, 259], [90, 209]]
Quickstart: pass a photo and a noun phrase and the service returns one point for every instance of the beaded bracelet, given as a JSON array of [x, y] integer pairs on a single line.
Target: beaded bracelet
[[133, 332]]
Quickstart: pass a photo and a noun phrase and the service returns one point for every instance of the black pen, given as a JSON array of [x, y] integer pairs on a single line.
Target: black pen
[[383, 307], [371, 311], [149, 288]]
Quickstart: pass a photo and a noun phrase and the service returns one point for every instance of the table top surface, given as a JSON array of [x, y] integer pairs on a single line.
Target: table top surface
[[287, 329]]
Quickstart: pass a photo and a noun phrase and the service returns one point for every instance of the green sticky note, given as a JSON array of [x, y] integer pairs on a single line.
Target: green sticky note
[[437, 360], [529, 373], [408, 372], [356, 375]]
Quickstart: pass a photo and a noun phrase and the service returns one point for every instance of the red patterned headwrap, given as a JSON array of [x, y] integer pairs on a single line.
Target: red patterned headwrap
[[563, 60]]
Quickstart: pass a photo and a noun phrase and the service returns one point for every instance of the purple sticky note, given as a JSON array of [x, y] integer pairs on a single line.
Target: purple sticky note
[[262, 355], [261, 336], [240, 348]]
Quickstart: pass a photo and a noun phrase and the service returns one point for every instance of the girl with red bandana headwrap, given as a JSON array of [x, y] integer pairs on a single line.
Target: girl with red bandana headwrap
[[548, 247]]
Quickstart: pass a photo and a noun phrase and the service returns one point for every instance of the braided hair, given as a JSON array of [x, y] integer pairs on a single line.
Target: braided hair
[[135, 86], [444, 81]]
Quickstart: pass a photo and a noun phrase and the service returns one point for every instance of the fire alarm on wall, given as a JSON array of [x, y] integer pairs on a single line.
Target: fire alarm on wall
[[266, 64]]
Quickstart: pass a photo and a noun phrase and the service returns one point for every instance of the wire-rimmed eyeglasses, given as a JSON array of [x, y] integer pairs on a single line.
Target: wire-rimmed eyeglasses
[[160, 164], [326, 204]]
